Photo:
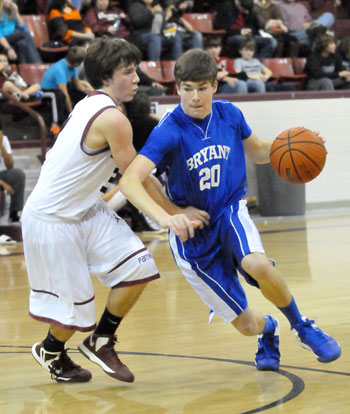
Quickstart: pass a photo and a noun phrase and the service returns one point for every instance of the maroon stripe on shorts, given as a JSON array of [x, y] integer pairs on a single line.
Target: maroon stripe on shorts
[[136, 282], [85, 302], [54, 294], [44, 291], [62, 325], [128, 258]]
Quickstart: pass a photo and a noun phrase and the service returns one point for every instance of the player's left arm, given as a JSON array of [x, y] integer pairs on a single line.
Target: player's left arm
[[258, 150]]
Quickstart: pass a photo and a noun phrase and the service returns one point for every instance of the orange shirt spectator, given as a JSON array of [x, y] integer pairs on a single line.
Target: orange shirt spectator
[[66, 23]]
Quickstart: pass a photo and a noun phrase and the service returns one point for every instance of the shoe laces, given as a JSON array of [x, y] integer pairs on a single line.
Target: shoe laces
[[308, 326], [267, 342], [110, 347], [62, 364]]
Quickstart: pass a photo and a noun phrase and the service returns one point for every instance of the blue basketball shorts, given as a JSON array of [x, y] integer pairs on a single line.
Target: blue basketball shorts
[[210, 260]]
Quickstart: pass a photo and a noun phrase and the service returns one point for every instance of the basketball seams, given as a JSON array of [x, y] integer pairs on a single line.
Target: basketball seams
[[291, 136], [280, 161], [307, 155], [309, 158], [319, 144], [294, 166]]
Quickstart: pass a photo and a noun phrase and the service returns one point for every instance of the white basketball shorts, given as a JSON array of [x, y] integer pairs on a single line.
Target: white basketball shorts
[[61, 256]]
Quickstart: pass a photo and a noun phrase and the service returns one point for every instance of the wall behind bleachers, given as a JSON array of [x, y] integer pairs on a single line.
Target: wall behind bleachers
[[330, 116]]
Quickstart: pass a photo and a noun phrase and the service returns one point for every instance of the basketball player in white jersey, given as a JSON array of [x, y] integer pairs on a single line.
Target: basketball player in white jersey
[[69, 233]]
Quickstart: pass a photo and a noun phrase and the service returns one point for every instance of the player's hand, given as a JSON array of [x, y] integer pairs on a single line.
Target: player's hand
[[196, 215], [180, 225], [315, 131]]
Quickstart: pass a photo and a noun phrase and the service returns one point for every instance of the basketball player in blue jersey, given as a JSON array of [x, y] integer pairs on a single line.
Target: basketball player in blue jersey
[[201, 145]]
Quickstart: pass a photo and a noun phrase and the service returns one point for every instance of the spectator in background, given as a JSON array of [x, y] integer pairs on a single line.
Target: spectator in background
[[343, 49], [14, 37], [56, 80], [143, 14], [228, 79], [78, 94], [12, 180], [13, 83], [240, 21], [257, 73], [66, 24], [142, 120], [271, 21], [174, 23], [324, 67], [106, 20], [301, 25]]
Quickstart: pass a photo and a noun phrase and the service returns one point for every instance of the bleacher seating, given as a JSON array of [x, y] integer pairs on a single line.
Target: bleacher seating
[[32, 72], [203, 22], [37, 27], [162, 72], [153, 69], [283, 71], [299, 65], [168, 71]]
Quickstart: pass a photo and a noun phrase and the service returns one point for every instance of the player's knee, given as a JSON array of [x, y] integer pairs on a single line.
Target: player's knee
[[248, 329], [246, 323], [257, 266]]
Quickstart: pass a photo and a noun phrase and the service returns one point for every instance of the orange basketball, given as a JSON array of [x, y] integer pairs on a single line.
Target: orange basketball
[[298, 155]]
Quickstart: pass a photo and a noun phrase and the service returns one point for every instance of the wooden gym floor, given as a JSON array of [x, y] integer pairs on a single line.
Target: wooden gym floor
[[183, 365]]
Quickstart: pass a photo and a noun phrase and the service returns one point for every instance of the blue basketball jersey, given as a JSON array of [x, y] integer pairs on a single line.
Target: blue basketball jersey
[[204, 159]]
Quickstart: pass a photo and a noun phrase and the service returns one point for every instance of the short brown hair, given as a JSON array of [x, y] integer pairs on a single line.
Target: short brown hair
[[75, 55], [322, 41], [247, 43], [212, 42], [105, 55], [195, 65]]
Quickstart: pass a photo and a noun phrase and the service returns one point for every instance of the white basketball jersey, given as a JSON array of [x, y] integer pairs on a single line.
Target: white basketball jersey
[[72, 175]]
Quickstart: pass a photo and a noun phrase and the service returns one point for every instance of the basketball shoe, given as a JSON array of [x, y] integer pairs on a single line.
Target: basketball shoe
[[325, 348], [267, 357], [100, 350], [59, 364]]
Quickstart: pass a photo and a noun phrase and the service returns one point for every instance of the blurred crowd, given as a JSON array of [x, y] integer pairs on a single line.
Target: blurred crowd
[[244, 36]]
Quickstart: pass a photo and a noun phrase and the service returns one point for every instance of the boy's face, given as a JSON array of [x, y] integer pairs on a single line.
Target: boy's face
[[3, 62], [214, 51], [123, 84], [197, 97], [247, 53], [331, 47]]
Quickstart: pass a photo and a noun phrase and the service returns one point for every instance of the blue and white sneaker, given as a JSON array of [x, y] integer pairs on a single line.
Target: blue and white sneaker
[[325, 348], [267, 357]]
